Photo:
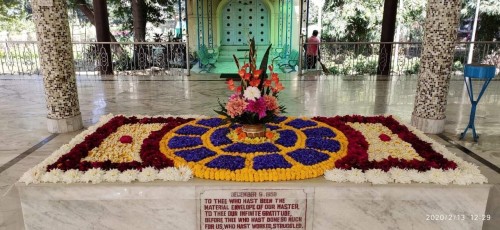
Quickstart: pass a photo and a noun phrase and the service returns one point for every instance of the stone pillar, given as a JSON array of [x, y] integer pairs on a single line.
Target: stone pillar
[[56, 59], [435, 65]]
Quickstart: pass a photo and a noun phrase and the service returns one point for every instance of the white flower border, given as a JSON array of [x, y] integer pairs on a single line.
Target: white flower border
[[39, 174], [466, 173]]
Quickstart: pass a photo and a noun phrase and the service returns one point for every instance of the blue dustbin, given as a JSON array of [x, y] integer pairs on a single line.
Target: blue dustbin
[[477, 71]]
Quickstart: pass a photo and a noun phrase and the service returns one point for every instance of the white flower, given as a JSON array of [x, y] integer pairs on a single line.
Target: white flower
[[185, 173], [53, 176], [356, 176], [111, 175], [93, 175], [438, 176], [33, 175], [402, 176], [336, 175], [252, 93], [128, 176], [147, 174], [417, 176], [71, 176], [377, 176], [169, 174]]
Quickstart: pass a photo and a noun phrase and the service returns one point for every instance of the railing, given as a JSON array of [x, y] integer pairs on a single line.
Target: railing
[[358, 58], [139, 58], [169, 58]]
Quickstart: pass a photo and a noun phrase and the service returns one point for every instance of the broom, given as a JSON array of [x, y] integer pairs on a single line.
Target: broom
[[325, 70]]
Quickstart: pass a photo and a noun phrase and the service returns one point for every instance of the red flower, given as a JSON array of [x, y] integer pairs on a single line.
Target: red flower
[[256, 73], [255, 82], [267, 83], [126, 139], [384, 137], [242, 72], [230, 84]]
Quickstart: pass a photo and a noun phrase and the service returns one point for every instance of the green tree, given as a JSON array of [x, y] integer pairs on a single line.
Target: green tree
[[489, 14], [14, 14], [352, 20]]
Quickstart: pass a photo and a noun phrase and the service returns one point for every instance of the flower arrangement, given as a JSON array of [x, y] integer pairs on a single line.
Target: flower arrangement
[[255, 100]]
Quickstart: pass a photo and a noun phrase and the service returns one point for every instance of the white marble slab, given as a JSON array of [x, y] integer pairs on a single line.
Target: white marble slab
[[173, 205]]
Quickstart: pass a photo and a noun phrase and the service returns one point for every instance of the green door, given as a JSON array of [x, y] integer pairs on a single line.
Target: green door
[[242, 19]]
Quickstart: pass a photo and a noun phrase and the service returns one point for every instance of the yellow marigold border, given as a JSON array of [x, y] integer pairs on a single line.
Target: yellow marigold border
[[248, 174]]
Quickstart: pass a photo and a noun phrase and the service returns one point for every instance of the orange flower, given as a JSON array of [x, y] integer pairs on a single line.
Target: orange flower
[[267, 83], [230, 84], [274, 77], [247, 76], [255, 82], [278, 87], [242, 72], [269, 135], [239, 130], [256, 73], [242, 135]]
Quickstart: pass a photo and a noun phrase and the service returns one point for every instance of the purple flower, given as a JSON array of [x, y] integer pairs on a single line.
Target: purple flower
[[308, 156], [288, 138], [211, 122], [195, 155], [251, 148], [323, 144], [227, 162], [299, 123], [319, 132], [183, 142], [191, 130], [219, 137], [271, 161], [257, 106]]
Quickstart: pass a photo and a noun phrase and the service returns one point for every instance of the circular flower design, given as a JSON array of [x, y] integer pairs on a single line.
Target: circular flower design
[[304, 149]]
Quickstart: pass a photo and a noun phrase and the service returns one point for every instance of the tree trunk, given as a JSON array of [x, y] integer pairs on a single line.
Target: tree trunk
[[85, 8], [139, 20], [102, 33], [139, 23]]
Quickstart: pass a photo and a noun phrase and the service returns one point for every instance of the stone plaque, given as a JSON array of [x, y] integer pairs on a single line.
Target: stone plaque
[[253, 209]]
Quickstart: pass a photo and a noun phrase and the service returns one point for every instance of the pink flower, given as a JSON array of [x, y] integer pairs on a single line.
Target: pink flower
[[236, 106], [271, 102], [258, 106]]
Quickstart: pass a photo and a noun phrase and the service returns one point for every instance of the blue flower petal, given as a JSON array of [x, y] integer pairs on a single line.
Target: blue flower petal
[[211, 122], [319, 132], [323, 144], [299, 123], [183, 142], [308, 156], [251, 148], [272, 161], [219, 137], [195, 155], [191, 130], [271, 127], [227, 162], [288, 138]]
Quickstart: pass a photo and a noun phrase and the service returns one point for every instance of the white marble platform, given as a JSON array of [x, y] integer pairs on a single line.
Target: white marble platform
[[175, 205]]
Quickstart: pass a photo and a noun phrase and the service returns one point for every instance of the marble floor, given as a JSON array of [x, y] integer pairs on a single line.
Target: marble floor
[[25, 141]]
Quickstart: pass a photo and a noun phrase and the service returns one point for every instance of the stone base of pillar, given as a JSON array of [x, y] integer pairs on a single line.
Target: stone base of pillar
[[65, 125], [429, 126]]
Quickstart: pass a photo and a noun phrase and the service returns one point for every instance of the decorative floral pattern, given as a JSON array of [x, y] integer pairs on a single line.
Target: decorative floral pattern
[[299, 152], [355, 149]]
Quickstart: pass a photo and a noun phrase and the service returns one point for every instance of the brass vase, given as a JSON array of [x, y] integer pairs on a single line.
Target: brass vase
[[254, 130]]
